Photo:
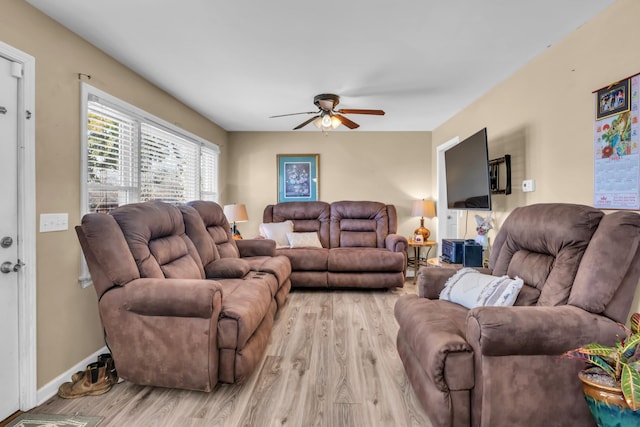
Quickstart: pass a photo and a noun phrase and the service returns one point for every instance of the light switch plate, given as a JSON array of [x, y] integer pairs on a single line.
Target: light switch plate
[[528, 185], [54, 222]]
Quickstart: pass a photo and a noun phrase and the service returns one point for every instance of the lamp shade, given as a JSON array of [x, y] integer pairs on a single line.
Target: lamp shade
[[236, 213], [424, 208]]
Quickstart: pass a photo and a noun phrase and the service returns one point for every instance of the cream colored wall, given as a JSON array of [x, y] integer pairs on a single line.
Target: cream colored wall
[[543, 115], [68, 327], [391, 167]]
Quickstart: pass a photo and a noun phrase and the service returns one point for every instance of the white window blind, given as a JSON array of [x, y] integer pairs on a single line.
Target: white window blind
[[169, 167], [131, 156], [111, 158]]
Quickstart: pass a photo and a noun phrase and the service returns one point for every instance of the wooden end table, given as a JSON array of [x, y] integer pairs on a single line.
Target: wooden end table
[[416, 262]]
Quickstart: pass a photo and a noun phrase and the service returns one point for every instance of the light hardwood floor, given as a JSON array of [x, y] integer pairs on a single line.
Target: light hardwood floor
[[331, 361]]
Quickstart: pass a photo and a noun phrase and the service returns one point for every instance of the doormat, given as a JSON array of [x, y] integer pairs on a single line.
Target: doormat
[[46, 420]]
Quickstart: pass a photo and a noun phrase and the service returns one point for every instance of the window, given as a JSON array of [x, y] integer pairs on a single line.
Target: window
[[131, 156]]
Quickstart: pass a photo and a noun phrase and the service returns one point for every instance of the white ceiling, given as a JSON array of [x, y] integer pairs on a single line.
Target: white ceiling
[[238, 62]]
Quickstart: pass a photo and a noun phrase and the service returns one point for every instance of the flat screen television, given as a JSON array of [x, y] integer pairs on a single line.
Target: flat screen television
[[467, 174]]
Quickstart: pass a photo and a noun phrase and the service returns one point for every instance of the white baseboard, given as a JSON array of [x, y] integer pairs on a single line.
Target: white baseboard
[[51, 389]]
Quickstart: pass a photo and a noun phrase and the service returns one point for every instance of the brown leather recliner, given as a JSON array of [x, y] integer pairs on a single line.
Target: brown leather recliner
[[501, 366]]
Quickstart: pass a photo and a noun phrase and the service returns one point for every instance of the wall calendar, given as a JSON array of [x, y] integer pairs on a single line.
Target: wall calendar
[[616, 148]]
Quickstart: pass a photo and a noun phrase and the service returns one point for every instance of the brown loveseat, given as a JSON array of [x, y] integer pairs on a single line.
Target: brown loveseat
[[501, 366], [359, 247], [181, 304]]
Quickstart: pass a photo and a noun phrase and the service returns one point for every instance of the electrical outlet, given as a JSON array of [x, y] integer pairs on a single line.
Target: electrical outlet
[[528, 185], [54, 222]]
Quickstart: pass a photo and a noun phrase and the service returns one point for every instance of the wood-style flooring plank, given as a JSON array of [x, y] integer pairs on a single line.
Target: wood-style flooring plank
[[331, 362]]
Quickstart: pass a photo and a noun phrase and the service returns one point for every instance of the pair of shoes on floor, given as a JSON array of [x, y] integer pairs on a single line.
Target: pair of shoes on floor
[[105, 357], [96, 379]]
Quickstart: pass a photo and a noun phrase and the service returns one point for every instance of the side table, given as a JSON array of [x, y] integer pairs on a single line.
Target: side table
[[416, 262]]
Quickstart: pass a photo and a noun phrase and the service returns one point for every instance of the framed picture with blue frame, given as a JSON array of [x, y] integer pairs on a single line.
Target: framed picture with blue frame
[[298, 176]]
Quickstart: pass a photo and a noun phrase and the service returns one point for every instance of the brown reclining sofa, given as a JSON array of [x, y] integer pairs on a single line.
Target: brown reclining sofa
[[182, 303], [360, 247]]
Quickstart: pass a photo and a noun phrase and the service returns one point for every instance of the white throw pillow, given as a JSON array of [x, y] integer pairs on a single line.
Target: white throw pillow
[[470, 288], [304, 240], [277, 231]]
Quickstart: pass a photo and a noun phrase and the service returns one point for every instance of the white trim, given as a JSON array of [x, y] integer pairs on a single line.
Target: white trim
[[26, 227], [51, 388], [443, 214]]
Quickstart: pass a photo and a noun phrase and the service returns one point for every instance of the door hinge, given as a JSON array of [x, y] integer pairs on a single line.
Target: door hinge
[[3, 110], [28, 114]]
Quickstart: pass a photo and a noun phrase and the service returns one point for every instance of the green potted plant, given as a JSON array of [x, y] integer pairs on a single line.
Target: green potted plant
[[612, 384]]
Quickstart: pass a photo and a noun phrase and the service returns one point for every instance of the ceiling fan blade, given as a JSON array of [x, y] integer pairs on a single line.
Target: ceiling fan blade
[[348, 123], [294, 114], [359, 111], [303, 124]]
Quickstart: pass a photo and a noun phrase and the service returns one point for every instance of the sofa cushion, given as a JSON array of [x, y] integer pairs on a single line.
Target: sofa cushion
[[470, 288], [227, 268], [603, 271], [359, 224], [306, 259], [306, 216], [216, 225], [277, 231], [155, 234], [245, 303], [304, 240], [365, 259]]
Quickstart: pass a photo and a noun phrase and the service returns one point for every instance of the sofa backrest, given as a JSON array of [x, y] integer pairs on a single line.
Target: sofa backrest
[[210, 231], [608, 275], [543, 244], [306, 217], [155, 234], [361, 224], [106, 251]]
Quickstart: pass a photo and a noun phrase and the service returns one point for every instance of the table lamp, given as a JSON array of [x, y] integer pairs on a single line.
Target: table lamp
[[236, 213], [423, 208]]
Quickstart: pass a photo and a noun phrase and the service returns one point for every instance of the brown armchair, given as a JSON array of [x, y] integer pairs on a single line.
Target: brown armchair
[[501, 366]]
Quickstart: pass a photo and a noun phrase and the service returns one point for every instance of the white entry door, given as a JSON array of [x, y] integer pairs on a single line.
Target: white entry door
[[9, 264]]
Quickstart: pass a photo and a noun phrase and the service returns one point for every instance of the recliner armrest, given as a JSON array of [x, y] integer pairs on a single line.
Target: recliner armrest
[[256, 247], [431, 281], [506, 331], [396, 243], [171, 297]]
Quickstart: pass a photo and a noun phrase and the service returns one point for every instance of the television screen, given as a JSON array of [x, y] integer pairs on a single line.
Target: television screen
[[467, 173]]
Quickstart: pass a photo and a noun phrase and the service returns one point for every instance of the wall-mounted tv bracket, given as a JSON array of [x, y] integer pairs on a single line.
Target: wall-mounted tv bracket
[[494, 174]]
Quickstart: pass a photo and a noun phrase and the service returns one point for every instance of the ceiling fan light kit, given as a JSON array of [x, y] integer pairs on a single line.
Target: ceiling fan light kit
[[327, 117]]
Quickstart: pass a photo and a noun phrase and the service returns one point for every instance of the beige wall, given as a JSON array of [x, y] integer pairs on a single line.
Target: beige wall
[[543, 115], [391, 167], [68, 327]]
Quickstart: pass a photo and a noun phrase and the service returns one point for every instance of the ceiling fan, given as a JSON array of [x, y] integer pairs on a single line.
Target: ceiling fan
[[327, 117]]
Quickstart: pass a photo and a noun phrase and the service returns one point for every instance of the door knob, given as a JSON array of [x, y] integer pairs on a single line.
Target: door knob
[[8, 267]]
